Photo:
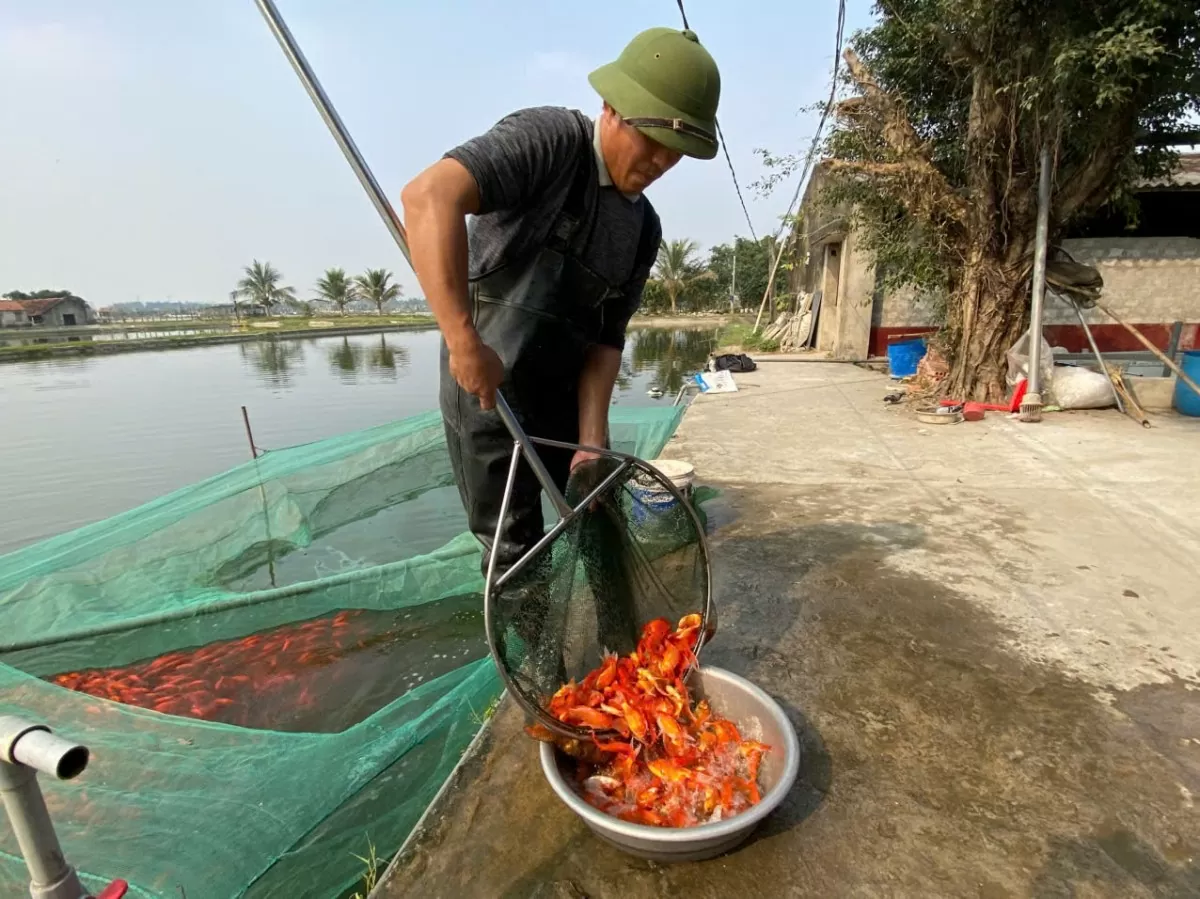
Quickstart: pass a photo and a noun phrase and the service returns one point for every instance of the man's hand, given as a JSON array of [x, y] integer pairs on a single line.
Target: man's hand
[[582, 456], [478, 370]]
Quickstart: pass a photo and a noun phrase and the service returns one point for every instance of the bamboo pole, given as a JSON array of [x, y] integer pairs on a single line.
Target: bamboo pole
[[1163, 357]]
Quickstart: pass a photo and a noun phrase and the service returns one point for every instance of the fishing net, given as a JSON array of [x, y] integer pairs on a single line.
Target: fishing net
[[632, 551], [274, 668]]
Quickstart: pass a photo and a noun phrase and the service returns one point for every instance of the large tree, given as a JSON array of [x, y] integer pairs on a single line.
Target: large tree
[[260, 286], [937, 150], [374, 285]]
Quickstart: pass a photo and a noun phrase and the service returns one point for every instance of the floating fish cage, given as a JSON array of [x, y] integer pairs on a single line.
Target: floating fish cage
[[271, 667]]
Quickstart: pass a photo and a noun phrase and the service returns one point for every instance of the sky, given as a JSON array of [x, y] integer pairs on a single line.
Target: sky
[[150, 150]]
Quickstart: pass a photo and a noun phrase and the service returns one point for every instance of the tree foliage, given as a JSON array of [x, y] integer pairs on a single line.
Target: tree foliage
[[336, 289], [936, 150], [37, 295], [260, 286], [677, 269], [374, 285]]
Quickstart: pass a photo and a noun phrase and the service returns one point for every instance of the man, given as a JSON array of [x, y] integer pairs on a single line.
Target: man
[[535, 298]]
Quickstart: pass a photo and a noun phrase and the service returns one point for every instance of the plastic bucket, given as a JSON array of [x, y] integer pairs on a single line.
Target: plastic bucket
[[1186, 400], [904, 355], [650, 497]]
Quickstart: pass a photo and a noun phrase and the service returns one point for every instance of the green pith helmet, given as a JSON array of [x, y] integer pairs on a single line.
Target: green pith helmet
[[667, 86]]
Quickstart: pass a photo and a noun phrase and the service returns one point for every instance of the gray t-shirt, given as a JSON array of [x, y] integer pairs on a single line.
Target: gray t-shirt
[[524, 167]]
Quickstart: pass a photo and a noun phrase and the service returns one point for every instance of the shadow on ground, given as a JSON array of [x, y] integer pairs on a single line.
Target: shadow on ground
[[937, 760]]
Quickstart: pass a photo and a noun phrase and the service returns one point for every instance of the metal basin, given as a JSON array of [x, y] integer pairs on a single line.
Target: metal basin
[[758, 717]]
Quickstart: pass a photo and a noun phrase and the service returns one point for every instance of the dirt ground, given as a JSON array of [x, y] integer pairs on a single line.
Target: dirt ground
[[987, 636]]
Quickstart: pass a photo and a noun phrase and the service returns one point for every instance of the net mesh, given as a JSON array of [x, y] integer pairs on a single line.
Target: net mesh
[[635, 554], [272, 668]]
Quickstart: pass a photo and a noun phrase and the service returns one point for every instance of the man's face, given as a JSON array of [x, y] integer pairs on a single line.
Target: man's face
[[634, 161]]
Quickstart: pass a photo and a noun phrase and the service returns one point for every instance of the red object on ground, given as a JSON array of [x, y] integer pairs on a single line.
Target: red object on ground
[[1018, 395], [975, 411], [114, 890]]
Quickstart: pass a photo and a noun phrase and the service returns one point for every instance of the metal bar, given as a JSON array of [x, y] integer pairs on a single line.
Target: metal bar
[[333, 120], [1096, 352], [561, 524], [599, 450], [489, 585], [531, 456], [249, 433], [1039, 273], [1173, 340], [384, 208]]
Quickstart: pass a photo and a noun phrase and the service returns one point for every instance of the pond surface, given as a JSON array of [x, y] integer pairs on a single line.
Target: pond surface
[[86, 438]]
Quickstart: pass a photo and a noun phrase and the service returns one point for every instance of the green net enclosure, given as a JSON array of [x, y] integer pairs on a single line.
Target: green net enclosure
[[273, 668]]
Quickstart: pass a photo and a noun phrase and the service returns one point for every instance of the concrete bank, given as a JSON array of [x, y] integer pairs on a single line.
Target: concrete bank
[[108, 347], [987, 636]]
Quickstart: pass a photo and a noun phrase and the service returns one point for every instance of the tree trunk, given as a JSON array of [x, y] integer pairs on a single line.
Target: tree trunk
[[987, 314], [671, 294]]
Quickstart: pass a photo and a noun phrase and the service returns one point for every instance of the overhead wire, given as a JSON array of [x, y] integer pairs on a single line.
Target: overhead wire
[[724, 147], [808, 161]]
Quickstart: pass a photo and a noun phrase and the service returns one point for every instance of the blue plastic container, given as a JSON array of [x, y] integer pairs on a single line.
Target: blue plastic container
[[903, 356], [1186, 401]]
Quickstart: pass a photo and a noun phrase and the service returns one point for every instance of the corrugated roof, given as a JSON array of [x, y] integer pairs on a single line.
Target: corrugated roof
[[1186, 174], [11, 306], [39, 307]]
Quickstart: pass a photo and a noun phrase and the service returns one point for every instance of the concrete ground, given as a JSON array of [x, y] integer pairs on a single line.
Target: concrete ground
[[986, 634]]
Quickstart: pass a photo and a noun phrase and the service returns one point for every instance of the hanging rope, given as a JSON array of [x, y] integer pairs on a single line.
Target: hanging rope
[[812, 152], [725, 147]]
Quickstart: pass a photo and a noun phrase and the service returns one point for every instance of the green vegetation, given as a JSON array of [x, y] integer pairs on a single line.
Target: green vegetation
[[370, 876], [37, 295], [374, 286], [684, 282], [935, 154], [335, 289], [261, 287], [742, 334]]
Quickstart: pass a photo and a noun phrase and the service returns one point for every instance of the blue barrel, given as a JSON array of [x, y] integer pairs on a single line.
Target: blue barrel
[[1186, 401], [903, 356]]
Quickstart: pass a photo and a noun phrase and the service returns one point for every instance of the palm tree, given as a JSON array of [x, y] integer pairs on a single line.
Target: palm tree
[[372, 285], [336, 289], [261, 286], [676, 269]]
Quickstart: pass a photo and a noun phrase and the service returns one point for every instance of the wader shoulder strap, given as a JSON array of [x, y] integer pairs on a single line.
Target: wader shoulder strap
[[578, 212]]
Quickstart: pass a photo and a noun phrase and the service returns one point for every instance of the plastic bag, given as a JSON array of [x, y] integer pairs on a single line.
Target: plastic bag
[[1018, 362], [1081, 388]]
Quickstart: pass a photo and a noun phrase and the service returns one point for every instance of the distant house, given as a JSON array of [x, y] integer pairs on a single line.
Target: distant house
[[12, 314], [57, 312], [1151, 271]]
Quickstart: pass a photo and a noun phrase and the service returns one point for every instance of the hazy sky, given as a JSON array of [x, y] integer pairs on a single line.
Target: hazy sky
[[149, 150]]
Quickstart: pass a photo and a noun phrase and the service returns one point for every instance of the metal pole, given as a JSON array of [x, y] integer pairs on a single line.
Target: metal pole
[[329, 114], [1039, 278], [1096, 352], [249, 433], [386, 212]]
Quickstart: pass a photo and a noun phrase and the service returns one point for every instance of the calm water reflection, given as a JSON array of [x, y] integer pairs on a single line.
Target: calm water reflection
[[86, 438]]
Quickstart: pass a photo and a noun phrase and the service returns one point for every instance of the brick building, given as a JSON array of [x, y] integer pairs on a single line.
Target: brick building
[[1151, 275]]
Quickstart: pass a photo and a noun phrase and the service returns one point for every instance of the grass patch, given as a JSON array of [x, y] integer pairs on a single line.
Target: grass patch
[[743, 335], [370, 875], [487, 712]]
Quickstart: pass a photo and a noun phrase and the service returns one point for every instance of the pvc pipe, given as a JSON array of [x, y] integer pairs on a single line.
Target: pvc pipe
[[27, 748]]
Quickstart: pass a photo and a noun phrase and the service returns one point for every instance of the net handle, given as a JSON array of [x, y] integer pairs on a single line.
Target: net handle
[[395, 227], [492, 583]]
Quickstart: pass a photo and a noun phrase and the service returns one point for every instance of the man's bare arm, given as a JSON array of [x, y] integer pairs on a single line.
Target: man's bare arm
[[596, 381], [436, 204]]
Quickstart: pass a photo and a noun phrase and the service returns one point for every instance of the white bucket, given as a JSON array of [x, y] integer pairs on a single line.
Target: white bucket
[[652, 496]]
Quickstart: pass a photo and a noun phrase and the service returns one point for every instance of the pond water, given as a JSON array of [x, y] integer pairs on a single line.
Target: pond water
[[86, 438]]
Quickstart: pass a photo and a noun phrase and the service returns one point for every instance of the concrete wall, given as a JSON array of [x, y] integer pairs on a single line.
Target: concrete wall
[[1146, 279], [12, 319], [856, 295], [902, 309]]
